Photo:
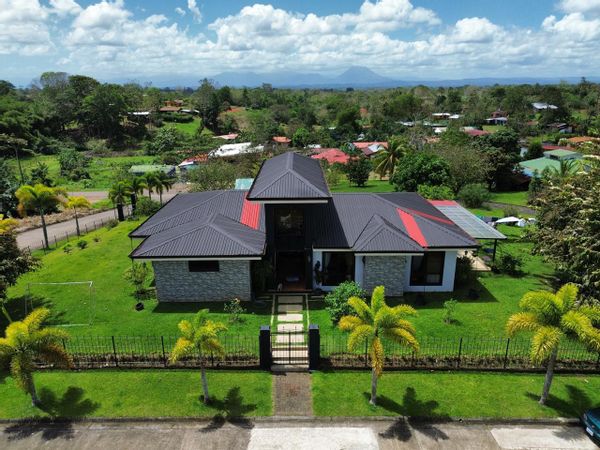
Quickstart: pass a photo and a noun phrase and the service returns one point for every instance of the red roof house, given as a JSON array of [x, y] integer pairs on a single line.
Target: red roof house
[[332, 156]]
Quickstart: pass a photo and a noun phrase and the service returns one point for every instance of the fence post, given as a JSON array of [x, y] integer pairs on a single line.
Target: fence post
[[264, 347], [506, 353], [314, 347], [459, 352], [115, 351], [162, 342]]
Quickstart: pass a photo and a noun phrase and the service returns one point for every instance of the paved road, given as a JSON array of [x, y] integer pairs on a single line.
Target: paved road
[[265, 435]]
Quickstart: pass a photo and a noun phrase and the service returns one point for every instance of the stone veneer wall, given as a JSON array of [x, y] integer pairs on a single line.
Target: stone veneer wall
[[387, 271], [175, 283]]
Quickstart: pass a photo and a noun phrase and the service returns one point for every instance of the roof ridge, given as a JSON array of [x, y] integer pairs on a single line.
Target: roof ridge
[[384, 223], [202, 225], [311, 185], [267, 186], [434, 223]]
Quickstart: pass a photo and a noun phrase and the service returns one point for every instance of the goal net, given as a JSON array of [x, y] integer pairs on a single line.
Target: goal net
[[71, 303]]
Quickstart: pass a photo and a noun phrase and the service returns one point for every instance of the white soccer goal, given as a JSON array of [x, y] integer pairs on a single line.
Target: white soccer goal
[[83, 291]]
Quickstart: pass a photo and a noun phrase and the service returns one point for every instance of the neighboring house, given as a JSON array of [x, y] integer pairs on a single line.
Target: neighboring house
[[282, 141], [193, 162], [472, 131], [578, 140], [368, 148], [147, 168], [332, 156], [228, 137], [550, 160], [539, 106], [170, 109], [243, 183], [204, 246], [233, 150], [561, 127]]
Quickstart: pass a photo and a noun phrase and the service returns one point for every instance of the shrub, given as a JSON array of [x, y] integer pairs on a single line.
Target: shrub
[[358, 170], [146, 206], [137, 275], [73, 164], [96, 238], [465, 274], [111, 224], [333, 175], [68, 249], [510, 211], [435, 192], [450, 310], [234, 308], [82, 244], [508, 264], [336, 302], [474, 195]]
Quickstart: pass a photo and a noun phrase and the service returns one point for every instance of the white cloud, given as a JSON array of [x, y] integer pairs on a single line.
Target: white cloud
[[191, 4], [581, 6], [23, 28], [180, 11], [573, 27], [475, 30], [64, 7]]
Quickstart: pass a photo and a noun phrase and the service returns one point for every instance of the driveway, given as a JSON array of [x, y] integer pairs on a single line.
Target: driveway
[[283, 434]]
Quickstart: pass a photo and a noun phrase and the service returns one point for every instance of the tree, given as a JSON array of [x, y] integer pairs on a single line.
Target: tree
[[8, 187], [118, 194], [552, 317], [73, 164], [386, 159], [207, 102], [167, 139], [79, 202], [137, 275], [40, 174], [40, 198], [420, 168], [152, 181], [534, 149], [165, 183], [214, 175], [374, 322], [27, 341], [467, 164], [136, 187], [301, 138], [104, 110], [200, 335], [358, 169], [474, 195], [348, 120]]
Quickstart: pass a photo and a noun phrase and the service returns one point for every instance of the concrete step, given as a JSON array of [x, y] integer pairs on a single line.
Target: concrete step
[[290, 317], [282, 327], [287, 355], [290, 300], [289, 308], [289, 338], [281, 368]]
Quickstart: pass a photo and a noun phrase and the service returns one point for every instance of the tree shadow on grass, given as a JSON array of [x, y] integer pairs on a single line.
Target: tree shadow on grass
[[415, 413], [577, 402], [16, 309], [231, 409], [61, 410]]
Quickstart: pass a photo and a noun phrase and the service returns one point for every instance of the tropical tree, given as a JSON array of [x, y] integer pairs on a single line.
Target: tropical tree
[[201, 335], [165, 183], [136, 186], [387, 158], [118, 194], [374, 322], [79, 202], [551, 317], [565, 170], [152, 181], [41, 199], [27, 341]]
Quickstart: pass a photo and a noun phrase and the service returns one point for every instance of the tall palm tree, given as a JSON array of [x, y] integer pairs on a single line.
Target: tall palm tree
[[551, 317], [118, 194], [136, 186], [41, 199], [566, 169], [373, 322], [387, 158], [152, 181], [27, 341], [202, 335], [79, 202], [165, 183]]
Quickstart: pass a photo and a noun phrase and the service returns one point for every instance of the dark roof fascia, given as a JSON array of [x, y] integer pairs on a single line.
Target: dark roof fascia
[[131, 233], [290, 200]]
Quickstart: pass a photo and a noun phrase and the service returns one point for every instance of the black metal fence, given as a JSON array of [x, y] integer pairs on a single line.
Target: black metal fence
[[90, 352], [476, 352]]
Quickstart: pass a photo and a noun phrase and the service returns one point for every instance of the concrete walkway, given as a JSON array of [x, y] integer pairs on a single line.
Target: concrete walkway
[[282, 434]]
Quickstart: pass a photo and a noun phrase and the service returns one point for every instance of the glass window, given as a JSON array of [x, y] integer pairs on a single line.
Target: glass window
[[427, 269], [203, 266], [337, 268], [289, 221]]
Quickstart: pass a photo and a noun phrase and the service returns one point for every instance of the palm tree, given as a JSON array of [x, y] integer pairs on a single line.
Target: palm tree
[[78, 202], [152, 181], [118, 194], [136, 186], [41, 199], [27, 341], [566, 169], [165, 182], [386, 159], [202, 335], [371, 323], [551, 317]]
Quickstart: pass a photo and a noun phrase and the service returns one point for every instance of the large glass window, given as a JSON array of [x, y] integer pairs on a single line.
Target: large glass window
[[427, 269], [337, 268], [203, 266], [289, 221]]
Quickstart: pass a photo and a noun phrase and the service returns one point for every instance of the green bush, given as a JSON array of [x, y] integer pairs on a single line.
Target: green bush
[[336, 302], [111, 224], [435, 192], [146, 206], [508, 264], [474, 195], [234, 308], [450, 310], [465, 274], [82, 244]]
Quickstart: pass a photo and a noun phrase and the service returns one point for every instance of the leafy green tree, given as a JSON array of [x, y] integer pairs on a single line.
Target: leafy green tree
[[358, 169], [214, 175], [27, 341], [552, 317], [118, 194], [152, 182], [348, 119], [73, 164], [165, 183], [166, 139], [435, 192], [103, 111], [40, 174], [467, 164], [301, 138], [207, 102], [78, 203], [200, 335], [420, 168], [8, 187], [534, 149], [373, 322], [137, 275], [474, 195], [42, 199], [136, 186]]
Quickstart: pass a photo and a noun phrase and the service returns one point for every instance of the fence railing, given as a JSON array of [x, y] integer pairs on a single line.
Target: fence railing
[[153, 351], [474, 352]]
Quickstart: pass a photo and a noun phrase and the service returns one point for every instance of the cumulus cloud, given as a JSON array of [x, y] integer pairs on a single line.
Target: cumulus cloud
[[580, 6], [23, 28], [180, 11], [64, 7], [574, 26], [475, 30], [193, 7]]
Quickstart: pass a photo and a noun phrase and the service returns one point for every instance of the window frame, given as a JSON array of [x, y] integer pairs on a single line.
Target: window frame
[[424, 274], [204, 266], [324, 267]]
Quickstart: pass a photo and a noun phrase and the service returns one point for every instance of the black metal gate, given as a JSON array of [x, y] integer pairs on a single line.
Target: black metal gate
[[289, 348]]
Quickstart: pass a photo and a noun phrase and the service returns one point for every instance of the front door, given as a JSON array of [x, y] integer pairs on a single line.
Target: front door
[[290, 269]]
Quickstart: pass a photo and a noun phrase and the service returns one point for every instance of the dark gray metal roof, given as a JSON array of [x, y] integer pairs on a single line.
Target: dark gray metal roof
[[381, 236], [290, 176]]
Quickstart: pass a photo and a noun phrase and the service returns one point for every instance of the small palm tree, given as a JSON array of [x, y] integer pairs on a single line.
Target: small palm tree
[[118, 194], [551, 317], [566, 169], [27, 341], [387, 159], [152, 181], [41, 199], [165, 183], [136, 186], [201, 335], [79, 202], [371, 323]]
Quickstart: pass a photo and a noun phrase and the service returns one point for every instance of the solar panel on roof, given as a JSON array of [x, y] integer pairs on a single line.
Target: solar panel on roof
[[470, 223]]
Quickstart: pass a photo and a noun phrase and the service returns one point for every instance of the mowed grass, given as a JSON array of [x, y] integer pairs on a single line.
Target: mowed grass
[[142, 393], [452, 394], [510, 198], [189, 128], [104, 262], [371, 186], [486, 316]]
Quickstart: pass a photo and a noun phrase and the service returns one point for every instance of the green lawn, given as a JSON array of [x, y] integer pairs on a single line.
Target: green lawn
[[493, 128], [142, 393], [372, 186], [486, 316], [104, 262], [510, 198], [190, 128], [452, 394]]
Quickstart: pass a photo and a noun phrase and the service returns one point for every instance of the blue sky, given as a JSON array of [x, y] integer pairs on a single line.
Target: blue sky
[[404, 39]]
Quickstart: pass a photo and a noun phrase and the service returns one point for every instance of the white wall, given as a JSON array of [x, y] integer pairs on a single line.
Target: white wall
[[447, 279]]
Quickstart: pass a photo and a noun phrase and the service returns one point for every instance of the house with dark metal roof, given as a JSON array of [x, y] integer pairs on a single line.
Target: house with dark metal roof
[[288, 232]]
